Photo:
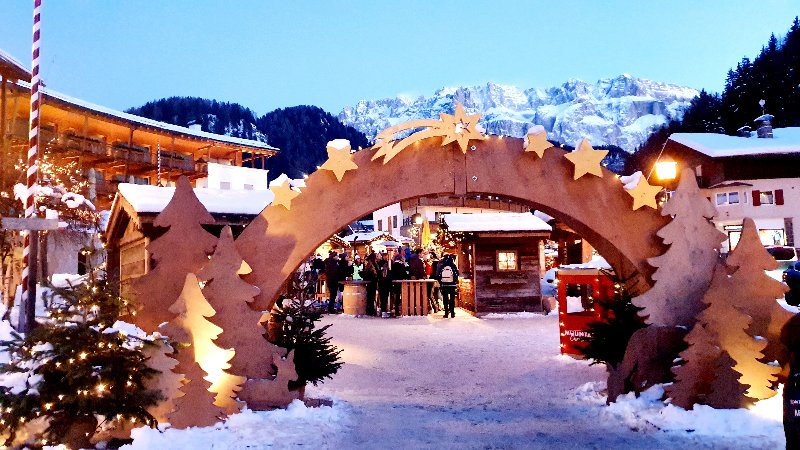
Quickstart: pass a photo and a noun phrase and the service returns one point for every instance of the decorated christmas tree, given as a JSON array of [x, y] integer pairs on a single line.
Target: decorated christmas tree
[[79, 364], [182, 249], [196, 333], [758, 291], [230, 296], [685, 269]]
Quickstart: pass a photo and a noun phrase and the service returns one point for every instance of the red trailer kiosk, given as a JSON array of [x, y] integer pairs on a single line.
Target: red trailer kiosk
[[579, 290]]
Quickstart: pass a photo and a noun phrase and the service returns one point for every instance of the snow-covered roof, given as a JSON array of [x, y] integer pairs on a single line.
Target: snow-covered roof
[[597, 262], [152, 123], [15, 67], [370, 236], [495, 222], [784, 140], [153, 199]]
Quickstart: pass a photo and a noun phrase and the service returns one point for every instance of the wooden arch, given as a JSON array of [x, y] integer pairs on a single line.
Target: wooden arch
[[278, 240]]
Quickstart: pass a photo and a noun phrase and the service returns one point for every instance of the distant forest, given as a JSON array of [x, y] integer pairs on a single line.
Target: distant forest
[[300, 132], [773, 76]]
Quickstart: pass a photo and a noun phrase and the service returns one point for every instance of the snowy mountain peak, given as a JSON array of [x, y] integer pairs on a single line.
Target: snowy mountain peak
[[621, 111]]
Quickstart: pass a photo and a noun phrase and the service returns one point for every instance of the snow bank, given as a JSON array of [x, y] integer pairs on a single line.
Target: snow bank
[[254, 429], [762, 423]]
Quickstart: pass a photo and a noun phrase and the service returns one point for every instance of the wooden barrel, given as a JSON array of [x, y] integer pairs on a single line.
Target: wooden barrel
[[354, 298]]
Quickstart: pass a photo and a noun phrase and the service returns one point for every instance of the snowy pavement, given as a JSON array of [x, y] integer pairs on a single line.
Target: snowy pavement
[[429, 382]]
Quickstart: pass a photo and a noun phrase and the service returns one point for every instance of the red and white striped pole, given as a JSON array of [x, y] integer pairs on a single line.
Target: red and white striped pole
[[30, 252]]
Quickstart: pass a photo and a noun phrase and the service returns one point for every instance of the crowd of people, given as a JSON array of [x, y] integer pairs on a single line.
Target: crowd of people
[[379, 271]]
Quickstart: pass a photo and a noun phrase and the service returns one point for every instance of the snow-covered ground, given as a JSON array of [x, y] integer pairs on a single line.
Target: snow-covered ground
[[497, 382]]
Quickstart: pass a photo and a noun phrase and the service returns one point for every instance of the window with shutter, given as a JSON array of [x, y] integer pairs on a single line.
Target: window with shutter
[[756, 198], [779, 196]]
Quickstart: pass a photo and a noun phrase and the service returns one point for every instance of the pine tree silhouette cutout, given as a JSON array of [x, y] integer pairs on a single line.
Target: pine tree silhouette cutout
[[167, 381], [758, 291], [191, 326], [694, 377], [195, 408], [184, 248], [727, 392], [720, 336], [231, 297], [685, 269]]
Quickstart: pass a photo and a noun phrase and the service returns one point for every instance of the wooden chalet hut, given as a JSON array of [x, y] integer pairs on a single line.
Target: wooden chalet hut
[[130, 226], [501, 260]]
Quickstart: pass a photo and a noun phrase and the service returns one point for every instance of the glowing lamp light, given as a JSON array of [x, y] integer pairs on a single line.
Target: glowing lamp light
[[666, 169], [417, 218]]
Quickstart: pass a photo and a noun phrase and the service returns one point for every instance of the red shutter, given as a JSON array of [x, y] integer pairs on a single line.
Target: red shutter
[[778, 196], [756, 198]]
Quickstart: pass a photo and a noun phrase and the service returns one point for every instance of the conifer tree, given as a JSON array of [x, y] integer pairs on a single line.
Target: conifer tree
[[184, 248], [685, 269], [694, 377], [231, 297], [727, 392]]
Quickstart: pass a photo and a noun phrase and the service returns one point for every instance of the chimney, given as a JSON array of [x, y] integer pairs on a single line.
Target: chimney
[[195, 125], [745, 131], [764, 129]]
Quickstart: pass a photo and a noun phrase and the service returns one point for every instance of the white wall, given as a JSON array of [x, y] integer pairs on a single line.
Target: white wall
[[387, 215], [766, 216], [222, 176]]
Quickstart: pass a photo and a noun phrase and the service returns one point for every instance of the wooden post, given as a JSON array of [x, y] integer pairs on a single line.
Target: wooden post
[[3, 127]]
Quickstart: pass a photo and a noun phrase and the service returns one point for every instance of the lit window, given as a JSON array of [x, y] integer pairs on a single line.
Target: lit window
[[766, 197], [506, 260]]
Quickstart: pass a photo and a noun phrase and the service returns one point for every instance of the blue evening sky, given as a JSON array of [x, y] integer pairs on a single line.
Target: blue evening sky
[[269, 54]]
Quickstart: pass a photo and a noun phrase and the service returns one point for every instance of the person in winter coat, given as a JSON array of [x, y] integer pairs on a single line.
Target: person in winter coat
[[792, 278], [358, 267], [416, 267], [398, 271], [370, 274], [447, 274], [790, 337], [384, 281], [332, 280]]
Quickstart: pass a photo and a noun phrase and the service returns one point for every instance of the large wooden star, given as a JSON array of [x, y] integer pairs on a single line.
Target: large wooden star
[[537, 143], [461, 128], [339, 159], [644, 194], [586, 160], [284, 194]]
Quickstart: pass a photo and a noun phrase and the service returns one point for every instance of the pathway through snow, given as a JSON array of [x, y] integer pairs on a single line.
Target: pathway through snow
[[429, 382]]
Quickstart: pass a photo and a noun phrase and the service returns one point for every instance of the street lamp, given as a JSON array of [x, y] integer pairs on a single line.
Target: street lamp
[[666, 169], [417, 219]]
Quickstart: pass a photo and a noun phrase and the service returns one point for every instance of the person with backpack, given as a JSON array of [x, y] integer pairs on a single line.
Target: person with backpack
[[447, 274]]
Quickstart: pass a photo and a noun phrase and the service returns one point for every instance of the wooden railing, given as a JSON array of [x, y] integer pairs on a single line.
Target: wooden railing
[[414, 300]]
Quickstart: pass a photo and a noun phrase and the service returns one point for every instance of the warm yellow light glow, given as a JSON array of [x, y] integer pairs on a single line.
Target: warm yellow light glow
[[83, 355], [771, 408], [101, 388], [666, 169]]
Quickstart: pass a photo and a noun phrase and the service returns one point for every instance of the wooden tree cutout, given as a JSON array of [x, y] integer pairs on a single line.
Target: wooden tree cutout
[[184, 248], [196, 407], [267, 394], [718, 338], [167, 381], [685, 269], [230, 296], [191, 325], [758, 290]]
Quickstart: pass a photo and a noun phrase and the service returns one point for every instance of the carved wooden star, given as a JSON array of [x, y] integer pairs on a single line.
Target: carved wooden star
[[537, 143], [339, 160], [461, 128], [644, 194], [284, 194], [586, 160]]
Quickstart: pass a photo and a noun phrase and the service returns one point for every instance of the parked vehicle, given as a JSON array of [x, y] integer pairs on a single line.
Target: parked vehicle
[[786, 256], [791, 277]]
